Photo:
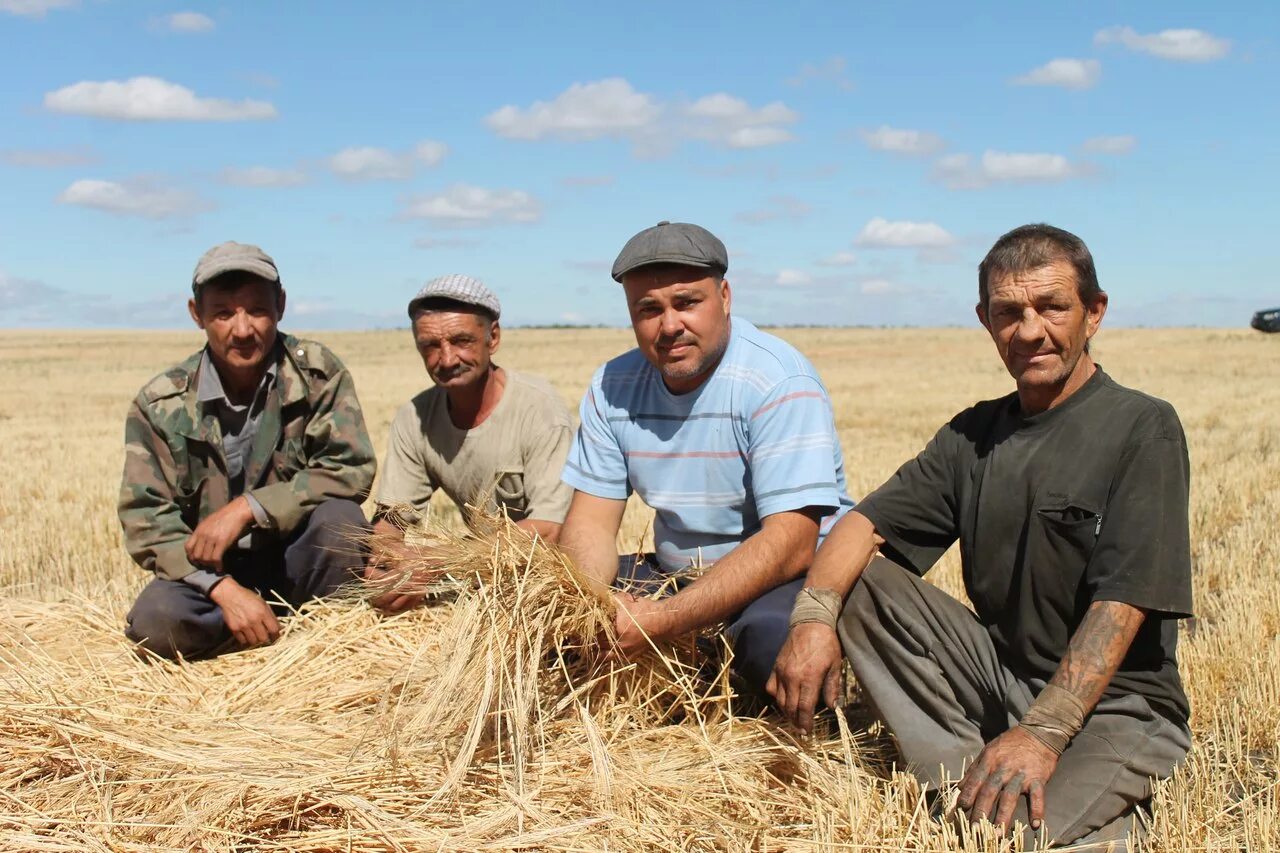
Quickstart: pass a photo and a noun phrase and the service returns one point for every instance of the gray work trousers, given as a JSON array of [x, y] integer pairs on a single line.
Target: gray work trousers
[[172, 618], [930, 671], [756, 633]]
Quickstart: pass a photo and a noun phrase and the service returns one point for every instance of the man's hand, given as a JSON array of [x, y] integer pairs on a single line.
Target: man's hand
[[246, 614], [1013, 764], [217, 532], [640, 622], [396, 600], [808, 667]]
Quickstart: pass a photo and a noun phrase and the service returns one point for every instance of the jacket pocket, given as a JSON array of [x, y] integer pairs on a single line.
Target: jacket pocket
[[289, 459], [508, 491]]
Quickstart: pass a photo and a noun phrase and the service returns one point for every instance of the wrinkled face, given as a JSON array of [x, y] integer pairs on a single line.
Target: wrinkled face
[[457, 347], [240, 322], [681, 319], [1040, 326]]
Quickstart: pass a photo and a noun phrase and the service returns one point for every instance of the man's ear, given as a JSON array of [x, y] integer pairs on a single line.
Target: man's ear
[[495, 337], [194, 310], [280, 306], [1094, 312], [726, 295], [981, 311]]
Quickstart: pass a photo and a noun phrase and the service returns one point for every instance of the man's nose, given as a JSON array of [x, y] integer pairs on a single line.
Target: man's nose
[[240, 325], [448, 356], [1031, 326], [671, 325]]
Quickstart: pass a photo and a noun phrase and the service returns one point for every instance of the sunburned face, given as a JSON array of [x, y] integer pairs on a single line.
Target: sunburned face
[[1041, 329], [240, 323], [456, 347], [680, 316]]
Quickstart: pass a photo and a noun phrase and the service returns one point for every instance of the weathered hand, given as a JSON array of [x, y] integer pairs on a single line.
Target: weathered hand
[[808, 667], [1013, 764], [217, 532], [396, 599], [246, 614], [639, 623]]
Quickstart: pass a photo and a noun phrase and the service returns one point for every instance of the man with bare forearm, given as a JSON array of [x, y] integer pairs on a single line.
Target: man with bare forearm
[[1057, 699]]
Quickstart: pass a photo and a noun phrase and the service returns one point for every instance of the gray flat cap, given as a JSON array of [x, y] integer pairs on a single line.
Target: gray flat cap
[[672, 243], [459, 288], [233, 257]]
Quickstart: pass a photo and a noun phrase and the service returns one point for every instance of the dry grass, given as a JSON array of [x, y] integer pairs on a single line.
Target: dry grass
[[476, 725]]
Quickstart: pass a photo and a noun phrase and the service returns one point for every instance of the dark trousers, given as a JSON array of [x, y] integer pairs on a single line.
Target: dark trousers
[[929, 669], [756, 634], [172, 618]]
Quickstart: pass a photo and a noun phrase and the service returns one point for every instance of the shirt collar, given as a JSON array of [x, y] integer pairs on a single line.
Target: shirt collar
[[209, 388]]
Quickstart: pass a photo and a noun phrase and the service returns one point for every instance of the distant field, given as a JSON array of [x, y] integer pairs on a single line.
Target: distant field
[[63, 397]]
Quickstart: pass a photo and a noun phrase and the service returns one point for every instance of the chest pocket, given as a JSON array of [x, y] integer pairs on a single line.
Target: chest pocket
[[508, 491], [1068, 531], [289, 459]]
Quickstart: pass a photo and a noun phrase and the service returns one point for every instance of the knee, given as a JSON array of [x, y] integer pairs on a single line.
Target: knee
[[338, 520], [164, 623]]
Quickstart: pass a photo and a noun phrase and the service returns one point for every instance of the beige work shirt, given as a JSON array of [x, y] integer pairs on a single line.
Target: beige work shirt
[[510, 461]]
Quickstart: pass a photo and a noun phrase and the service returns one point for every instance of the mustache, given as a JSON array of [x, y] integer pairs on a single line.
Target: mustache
[[680, 340]]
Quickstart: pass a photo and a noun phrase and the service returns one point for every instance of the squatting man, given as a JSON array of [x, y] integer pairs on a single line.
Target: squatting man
[[489, 437], [1057, 699], [245, 467]]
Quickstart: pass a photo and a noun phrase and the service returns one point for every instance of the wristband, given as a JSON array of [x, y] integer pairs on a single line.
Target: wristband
[[1054, 718], [814, 604]]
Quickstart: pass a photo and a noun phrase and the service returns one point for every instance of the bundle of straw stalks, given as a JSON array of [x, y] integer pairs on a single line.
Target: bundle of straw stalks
[[487, 722]]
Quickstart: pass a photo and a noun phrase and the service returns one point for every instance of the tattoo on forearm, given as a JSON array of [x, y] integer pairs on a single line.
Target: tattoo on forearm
[[1097, 649]]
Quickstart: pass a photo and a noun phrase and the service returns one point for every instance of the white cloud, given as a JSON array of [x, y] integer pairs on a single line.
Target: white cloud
[[34, 8], [831, 70], [792, 278], [262, 176], [366, 163], [189, 22], [608, 107], [442, 243], [839, 259], [464, 205], [960, 172], [1109, 144], [725, 120], [880, 233], [777, 207], [150, 99], [1067, 73], [137, 197], [916, 143], [878, 287], [612, 108], [1179, 45], [49, 158], [587, 180]]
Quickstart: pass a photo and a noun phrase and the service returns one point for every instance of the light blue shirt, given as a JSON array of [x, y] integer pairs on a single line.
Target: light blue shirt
[[757, 438]]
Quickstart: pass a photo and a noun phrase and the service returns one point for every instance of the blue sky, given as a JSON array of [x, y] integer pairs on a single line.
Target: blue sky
[[857, 159]]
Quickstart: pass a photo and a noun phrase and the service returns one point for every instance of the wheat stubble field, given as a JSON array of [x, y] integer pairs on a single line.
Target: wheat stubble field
[[362, 733]]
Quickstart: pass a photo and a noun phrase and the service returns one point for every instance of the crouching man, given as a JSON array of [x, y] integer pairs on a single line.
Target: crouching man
[[1057, 699], [245, 466]]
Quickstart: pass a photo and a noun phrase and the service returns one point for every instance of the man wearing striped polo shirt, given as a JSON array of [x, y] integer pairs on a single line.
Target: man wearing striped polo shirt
[[727, 433]]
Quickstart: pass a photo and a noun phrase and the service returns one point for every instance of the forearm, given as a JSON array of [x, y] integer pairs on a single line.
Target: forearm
[[594, 551], [1097, 649], [773, 556], [844, 554]]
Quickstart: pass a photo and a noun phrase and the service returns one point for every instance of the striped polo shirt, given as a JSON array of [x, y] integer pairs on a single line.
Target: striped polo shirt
[[757, 438]]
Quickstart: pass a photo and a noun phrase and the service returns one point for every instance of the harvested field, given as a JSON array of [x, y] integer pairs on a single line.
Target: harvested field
[[471, 724]]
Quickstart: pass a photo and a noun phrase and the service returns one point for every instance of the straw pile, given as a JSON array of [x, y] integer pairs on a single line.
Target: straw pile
[[477, 724]]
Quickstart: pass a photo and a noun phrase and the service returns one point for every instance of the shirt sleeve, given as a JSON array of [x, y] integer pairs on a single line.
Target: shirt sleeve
[[405, 479], [1143, 552], [545, 454], [791, 449], [917, 511], [596, 464]]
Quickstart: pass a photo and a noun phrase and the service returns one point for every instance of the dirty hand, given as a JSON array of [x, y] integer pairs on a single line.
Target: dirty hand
[[1013, 764], [809, 667], [217, 532], [246, 614], [640, 622], [397, 599]]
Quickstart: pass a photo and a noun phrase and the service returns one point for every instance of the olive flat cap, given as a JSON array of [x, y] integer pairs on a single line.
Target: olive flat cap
[[233, 257], [672, 243]]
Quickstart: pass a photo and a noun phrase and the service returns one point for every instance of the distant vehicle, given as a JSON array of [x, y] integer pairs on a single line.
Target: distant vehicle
[[1267, 320]]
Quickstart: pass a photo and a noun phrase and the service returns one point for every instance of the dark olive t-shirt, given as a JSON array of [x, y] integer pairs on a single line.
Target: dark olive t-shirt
[[1084, 502]]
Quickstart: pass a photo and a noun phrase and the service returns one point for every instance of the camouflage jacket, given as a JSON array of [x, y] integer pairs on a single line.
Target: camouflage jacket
[[310, 446]]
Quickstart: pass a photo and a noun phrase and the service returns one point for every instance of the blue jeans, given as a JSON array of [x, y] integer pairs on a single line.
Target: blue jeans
[[756, 633], [172, 618]]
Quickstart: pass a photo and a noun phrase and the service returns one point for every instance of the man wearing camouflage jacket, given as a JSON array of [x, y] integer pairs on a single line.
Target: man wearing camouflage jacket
[[245, 467]]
